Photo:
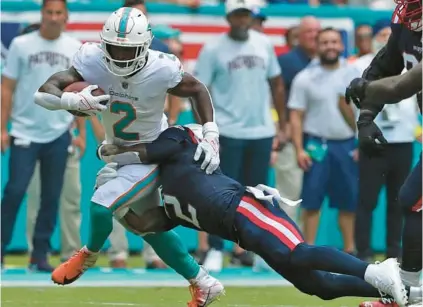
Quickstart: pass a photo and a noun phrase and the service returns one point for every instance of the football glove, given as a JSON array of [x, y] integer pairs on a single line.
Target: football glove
[[356, 91], [370, 137], [209, 145], [84, 101]]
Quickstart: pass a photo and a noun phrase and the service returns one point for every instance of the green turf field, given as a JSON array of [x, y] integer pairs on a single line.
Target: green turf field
[[160, 297], [285, 296]]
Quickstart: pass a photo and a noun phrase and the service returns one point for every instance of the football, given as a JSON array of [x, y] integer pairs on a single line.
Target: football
[[79, 86]]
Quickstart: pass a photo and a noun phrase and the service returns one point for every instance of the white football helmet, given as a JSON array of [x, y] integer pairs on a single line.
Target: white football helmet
[[125, 39]]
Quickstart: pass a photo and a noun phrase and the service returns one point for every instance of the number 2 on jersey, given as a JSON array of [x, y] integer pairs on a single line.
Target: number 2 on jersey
[[117, 107], [192, 219], [410, 60]]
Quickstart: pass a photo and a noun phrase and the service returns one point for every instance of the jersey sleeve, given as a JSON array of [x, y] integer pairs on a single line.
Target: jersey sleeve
[[298, 94], [388, 61], [12, 67], [176, 70], [79, 61], [204, 66]]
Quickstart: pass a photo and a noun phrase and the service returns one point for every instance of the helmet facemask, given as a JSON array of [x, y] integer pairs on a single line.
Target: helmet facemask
[[123, 60], [410, 13]]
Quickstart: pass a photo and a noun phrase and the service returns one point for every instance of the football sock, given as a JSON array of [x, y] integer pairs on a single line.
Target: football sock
[[412, 242], [170, 248], [327, 259], [101, 219]]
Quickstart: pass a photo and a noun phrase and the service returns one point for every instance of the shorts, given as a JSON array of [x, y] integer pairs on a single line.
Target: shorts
[[135, 187], [335, 175]]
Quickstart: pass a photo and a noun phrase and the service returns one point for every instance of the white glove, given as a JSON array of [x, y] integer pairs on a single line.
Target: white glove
[[84, 101], [107, 173], [210, 147]]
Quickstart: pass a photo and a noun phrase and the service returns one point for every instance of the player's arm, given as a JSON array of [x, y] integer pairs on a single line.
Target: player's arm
[[199, 96], [394, 89], [388, 61], [156, 152], [49, 95]]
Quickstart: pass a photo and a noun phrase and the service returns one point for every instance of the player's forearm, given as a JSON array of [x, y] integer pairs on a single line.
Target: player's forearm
[[278, 95], [296, 120], [394, 89]]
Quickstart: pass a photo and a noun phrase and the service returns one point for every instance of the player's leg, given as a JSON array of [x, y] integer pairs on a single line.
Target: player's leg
[[170, 248], [132, 182], [23, 157], [53, 158], [410, 198], [70, 209], [269, 232], [328, 286]]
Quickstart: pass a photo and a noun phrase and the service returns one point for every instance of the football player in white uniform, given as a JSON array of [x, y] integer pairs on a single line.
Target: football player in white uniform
[[136, 81]]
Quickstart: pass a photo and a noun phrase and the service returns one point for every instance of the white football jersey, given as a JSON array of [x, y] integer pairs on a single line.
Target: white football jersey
[[136, 106]]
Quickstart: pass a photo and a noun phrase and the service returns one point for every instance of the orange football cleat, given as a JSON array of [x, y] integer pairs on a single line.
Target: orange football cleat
[[74, 267]]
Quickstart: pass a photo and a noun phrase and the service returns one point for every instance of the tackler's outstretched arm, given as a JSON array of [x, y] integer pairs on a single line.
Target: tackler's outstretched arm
[[394, 89]]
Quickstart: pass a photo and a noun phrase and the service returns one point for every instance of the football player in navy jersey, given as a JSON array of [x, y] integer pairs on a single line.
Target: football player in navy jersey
[[403, 50], [251, 217]]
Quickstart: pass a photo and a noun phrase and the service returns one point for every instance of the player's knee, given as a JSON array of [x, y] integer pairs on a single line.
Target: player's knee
[[302, 256]]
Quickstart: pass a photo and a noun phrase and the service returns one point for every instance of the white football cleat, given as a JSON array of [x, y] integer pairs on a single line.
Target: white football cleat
[[386, 278], [205, 289]]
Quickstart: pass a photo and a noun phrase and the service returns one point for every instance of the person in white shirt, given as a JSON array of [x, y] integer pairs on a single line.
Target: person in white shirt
[[238, 67], [323, 140], [36, 134], [397, 123]]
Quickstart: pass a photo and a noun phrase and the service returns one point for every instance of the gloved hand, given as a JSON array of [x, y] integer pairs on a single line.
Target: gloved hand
[[370, 137], [107, 173], [210, 147], [84, 101], [356, 91]]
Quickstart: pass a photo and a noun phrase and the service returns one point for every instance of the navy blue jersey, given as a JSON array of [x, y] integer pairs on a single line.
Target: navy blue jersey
[[403, 50], [193, 198]]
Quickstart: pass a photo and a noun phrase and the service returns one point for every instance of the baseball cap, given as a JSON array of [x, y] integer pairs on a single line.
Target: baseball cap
[[235, 5]]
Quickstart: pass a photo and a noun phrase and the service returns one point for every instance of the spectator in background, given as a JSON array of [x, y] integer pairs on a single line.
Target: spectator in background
[[398, 123], [37, 134], [258, 20], [238, 67], [323, 140], [288, 174], [291, 37], [363, 41], [69, 210]]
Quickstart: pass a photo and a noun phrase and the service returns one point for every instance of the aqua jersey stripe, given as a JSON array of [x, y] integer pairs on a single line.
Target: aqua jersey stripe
[[136, 189], [124, 22]]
